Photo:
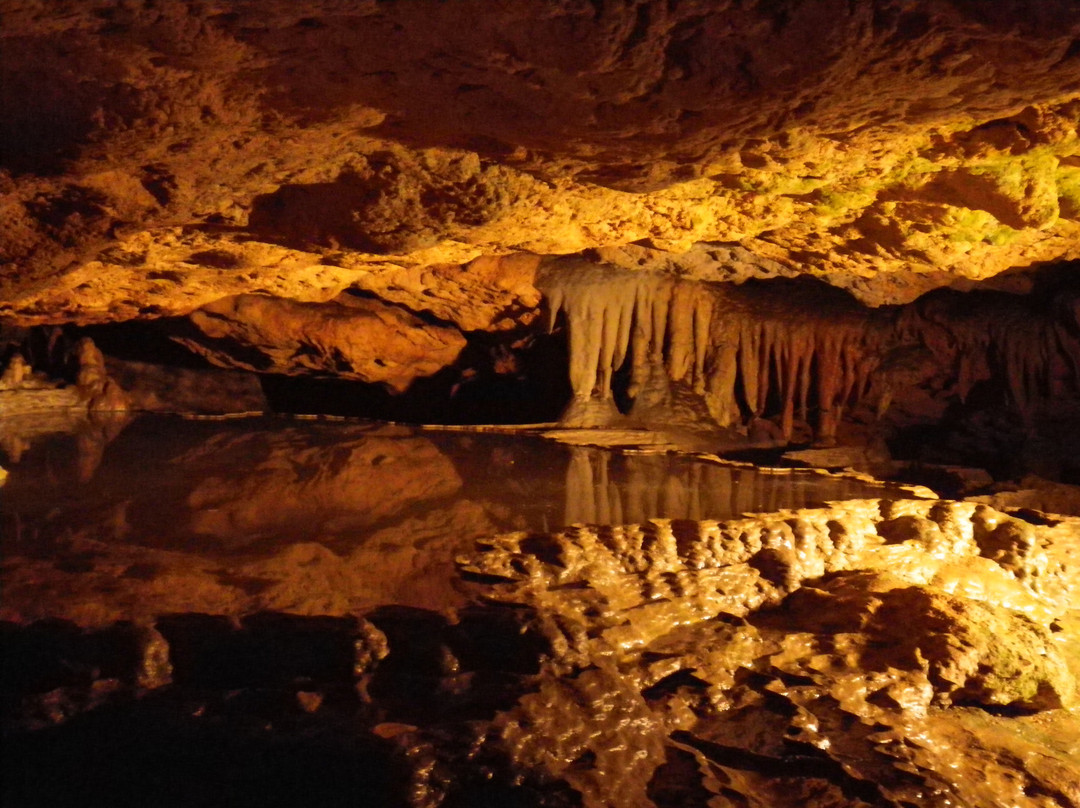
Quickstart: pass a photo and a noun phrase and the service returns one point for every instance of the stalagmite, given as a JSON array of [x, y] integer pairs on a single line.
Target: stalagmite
[[95, 386], [15, 373]]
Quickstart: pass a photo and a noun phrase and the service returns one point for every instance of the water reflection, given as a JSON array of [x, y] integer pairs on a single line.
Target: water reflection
[[319, 517], [239, 588], [223, 486], [227, 486], [609, 488]]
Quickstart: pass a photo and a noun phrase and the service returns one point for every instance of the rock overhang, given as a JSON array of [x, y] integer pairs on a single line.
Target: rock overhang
[[162, 156]]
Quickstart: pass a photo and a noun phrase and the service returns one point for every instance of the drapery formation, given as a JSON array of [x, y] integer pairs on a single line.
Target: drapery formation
[[1031, 349], [743, 350], [794, 349]]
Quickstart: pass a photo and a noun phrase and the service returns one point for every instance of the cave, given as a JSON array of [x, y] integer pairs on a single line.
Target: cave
[[540, 403]]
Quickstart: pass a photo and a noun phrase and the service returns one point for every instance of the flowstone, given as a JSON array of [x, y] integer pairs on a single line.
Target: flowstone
[[815, 657]]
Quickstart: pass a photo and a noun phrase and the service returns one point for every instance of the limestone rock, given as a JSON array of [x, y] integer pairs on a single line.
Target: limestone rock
[[822, 657], [491, 293], [359, 339], [970, 651], [173, 156]]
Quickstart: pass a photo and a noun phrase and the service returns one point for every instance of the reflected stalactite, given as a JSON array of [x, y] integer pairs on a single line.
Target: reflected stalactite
[[611, 489]]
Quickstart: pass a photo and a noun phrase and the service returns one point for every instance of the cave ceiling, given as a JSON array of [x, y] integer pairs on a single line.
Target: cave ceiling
[[161, 156]]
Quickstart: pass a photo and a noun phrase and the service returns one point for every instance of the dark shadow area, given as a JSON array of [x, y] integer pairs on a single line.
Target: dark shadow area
[[318, 214], [145, 341], [268, 649], [161, 751], [517, 378], [477, 389], [266, 712], [47, 117]]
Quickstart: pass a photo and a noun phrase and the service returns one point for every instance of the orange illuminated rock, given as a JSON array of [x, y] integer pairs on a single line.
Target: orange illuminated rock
[[172, 156], [360, 339]]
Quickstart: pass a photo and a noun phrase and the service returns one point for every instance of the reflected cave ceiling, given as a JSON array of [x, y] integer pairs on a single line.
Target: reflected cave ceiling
[[161, 157]]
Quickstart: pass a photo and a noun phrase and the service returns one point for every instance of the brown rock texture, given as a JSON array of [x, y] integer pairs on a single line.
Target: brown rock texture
[[839, 656], [300, 593], [785, 348], [171, 155], [364, 340]]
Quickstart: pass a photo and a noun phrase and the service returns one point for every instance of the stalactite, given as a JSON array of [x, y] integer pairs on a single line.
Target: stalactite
[[719, 342], [998, 336], [748, 375], [770, 350], [599, 304], [652, 308], [720, 384], [680, 328]]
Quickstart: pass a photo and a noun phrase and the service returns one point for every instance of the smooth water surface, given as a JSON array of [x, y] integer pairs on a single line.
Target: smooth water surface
[[227, 510]]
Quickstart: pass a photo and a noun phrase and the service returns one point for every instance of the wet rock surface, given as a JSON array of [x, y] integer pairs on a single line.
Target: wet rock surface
[[904, 652], [786, 686], [705, 198]]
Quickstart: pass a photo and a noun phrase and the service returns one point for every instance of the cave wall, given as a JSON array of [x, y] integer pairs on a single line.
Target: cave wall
[[395, 180]]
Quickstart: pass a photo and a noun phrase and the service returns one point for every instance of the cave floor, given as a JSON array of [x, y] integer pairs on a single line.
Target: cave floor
[[270, 611]]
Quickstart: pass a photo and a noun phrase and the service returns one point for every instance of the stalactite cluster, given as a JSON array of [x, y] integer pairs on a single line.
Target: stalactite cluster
[[1031, 351], [794, 350], [740, 349]]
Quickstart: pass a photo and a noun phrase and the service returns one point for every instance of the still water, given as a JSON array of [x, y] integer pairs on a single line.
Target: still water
[[268, 612], [172, 514]]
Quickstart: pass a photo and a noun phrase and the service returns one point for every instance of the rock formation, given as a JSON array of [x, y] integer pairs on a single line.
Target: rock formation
[[351, 339], [174, 156], [874, 652], [851, 633], [745, 223], [378, 194], [786, 349]]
